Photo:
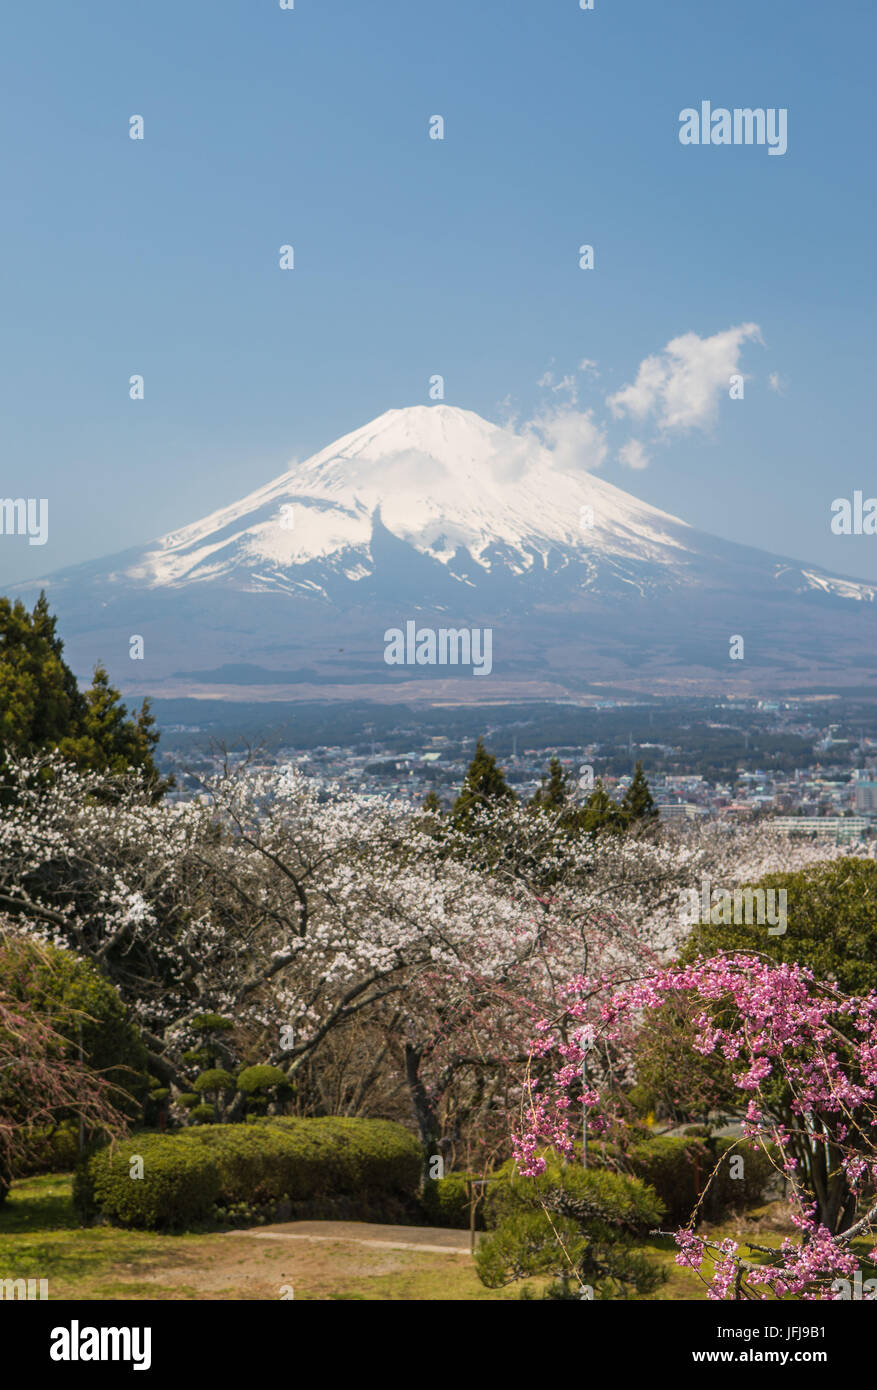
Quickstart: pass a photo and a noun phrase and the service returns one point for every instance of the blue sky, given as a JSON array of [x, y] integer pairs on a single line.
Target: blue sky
[[414, 256]]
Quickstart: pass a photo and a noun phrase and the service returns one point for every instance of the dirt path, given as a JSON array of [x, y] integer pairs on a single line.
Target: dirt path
[[435, 1240], [315, 1259]]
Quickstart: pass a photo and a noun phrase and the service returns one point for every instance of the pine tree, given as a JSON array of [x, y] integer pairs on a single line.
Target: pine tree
[[40, 701], [42, 707], [553, 795], [484, 782], [600, 812], [637, 803]]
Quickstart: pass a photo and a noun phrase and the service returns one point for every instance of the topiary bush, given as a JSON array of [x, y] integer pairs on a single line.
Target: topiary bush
[[179, 1187], [445, 1202], [678, 1167], [217, 1079], [336, 1154], [760, 1168], [360, 1165]]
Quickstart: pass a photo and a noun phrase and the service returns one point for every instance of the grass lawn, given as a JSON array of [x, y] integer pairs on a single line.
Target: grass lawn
[[41, 1238]]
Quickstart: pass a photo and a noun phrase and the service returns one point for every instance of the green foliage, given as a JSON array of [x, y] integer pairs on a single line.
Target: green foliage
[[637, 804], [553, 794], [203, 1114], [39, 699], [579, 1225], [484, 782], [600, 812], [831, 925], [84, 1008], [179, 1187], [676, 1168], [675, 1080], [253, 1080], [445, 1202], [679, 1166], [42, 707], [211, 1023], [268, 1161], [215, 1080], [188, 1099], [727, 1193], [55, 1151]]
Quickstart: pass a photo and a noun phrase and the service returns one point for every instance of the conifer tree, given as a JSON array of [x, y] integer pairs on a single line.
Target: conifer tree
[[484, 782], [553, 794], [637, 803], [42, 707], [601, 812]]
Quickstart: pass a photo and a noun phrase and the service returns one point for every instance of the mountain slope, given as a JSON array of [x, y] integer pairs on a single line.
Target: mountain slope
[[434, 514]]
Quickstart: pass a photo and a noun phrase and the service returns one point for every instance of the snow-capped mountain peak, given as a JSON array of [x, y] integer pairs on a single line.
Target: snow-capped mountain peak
[[438, 478]]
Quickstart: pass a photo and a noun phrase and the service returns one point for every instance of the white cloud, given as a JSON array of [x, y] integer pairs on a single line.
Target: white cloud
[[682, 384], [776, 383], [587, 365], [566, 383], [633, 455], [574, 438]]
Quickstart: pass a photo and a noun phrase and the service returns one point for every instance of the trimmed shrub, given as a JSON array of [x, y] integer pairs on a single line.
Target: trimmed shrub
[[678, 1166], [335, 1154], [270, 1163], [252, 1080], [179, 1187], [215, 1080], [445, 1202], [759, 1170]]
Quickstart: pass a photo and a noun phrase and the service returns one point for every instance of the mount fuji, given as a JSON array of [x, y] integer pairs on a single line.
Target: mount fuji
[[433, 514]]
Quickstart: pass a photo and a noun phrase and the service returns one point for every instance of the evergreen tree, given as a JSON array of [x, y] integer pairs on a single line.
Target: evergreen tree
[[600, 812], [553, 795], [637, 804], [42, 707], [40, 701], [484, 782]]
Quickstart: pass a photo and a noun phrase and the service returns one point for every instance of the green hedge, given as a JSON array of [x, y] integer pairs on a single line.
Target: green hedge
[[445, 1202], [191, 1177], [179, 1188], [678, 1166]]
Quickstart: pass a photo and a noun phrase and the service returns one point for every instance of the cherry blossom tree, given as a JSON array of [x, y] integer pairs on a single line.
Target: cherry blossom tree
[[301, 915], [40, 1085], [804, 1059]]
